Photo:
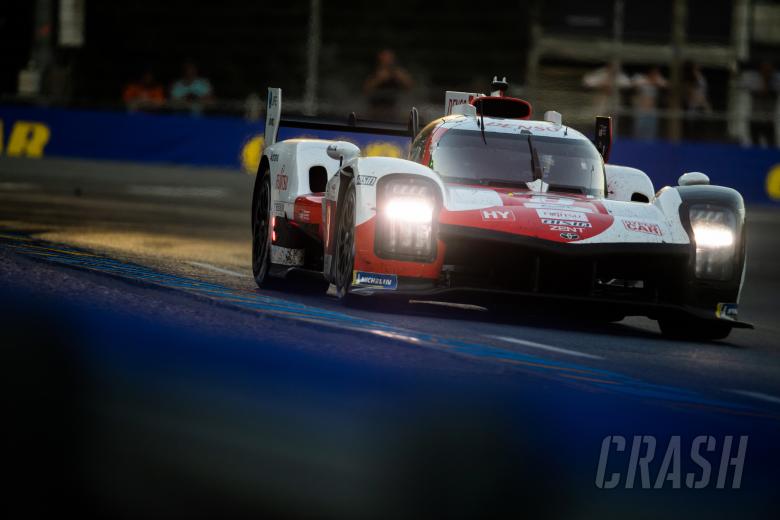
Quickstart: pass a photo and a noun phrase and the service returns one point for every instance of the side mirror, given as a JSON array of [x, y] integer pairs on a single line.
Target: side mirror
[[343, 151], [464, 109], [693, 179], [603, 140], [551, 116]]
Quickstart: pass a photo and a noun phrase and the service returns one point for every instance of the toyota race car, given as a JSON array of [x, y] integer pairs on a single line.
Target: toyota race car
[[491, 203]]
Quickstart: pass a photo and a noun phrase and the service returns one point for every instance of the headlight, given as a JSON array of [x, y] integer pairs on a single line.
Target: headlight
[[404, 209], [713, 235], [405, 219], [714, 231]]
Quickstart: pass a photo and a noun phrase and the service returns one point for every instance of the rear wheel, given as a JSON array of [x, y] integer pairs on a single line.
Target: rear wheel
[[261, 227], [345, 244], [694, 329]]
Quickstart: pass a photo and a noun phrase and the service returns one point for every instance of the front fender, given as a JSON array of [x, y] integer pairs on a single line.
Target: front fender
[[366, 174], [710, 293]]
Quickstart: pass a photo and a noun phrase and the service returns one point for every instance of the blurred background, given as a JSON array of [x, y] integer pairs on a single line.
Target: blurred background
[[144, 374], [679, 70]]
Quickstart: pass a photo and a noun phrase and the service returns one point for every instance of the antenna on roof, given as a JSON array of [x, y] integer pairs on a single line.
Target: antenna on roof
[[498, 87]]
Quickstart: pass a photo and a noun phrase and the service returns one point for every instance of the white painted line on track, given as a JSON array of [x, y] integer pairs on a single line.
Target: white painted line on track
[[219, 269], [549, 348], [454, 305], [177, 191], [756, 395]]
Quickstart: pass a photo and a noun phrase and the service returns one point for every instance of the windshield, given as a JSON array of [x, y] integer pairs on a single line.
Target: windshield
[[506, 159], [570, 165]]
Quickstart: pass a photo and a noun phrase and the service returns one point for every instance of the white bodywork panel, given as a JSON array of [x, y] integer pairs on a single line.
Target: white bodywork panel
[[290, 162], [623, 182], [465, 198], [672, 231]]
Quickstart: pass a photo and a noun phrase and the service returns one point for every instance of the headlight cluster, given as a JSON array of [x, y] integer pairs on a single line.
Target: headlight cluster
[[714, 231], [405, 219]]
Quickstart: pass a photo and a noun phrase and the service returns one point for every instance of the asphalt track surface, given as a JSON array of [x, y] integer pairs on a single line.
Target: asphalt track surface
[[166, 250]]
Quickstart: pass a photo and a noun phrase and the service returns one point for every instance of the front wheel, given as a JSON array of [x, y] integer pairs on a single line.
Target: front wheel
[[261, 227], [345, 244], [693, 329]]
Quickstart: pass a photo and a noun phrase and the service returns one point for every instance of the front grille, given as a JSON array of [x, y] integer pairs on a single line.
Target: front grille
[[502, 266]]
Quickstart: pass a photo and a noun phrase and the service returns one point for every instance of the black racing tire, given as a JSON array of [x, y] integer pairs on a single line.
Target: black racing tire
[[344, 258], [694, 329], [261, 227]]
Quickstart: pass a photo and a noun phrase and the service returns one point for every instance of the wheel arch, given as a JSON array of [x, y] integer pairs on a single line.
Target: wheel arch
[[265, 163]]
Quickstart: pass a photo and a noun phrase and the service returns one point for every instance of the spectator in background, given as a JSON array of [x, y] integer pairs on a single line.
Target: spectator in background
[[696, 89], [144, 94], [191, 91], [606, 81], [384, 86], [763, 85], [695, 101], [59, 79], [647, 91]]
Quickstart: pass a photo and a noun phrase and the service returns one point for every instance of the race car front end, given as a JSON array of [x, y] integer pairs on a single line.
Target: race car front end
[[543, 248]]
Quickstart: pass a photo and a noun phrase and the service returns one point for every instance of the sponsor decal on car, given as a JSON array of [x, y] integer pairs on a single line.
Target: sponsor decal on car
[[566, 229], [497, 214], [303, 215], [281, 180], [560, 214], [570, 236], [279, 209], [727, 311], [273, 100], [376, 280], [536, 205], [643, 227], [541, 199], [570, 223], [454, 99], [366, 180]]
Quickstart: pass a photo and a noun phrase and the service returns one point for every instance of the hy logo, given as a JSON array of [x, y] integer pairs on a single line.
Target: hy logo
[[497, 214]]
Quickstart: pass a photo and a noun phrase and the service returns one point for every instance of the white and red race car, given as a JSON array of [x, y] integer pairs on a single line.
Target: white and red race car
[[492, 203]]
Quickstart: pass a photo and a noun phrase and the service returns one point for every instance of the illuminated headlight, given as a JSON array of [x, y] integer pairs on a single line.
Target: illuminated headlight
[[405, 219], [413, 210], [714, 234]]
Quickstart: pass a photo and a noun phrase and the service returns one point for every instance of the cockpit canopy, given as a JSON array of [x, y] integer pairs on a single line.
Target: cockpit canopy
[[513, 159]]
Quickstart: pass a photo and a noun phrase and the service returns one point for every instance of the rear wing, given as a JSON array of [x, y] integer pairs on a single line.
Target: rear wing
[[274, 121]]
